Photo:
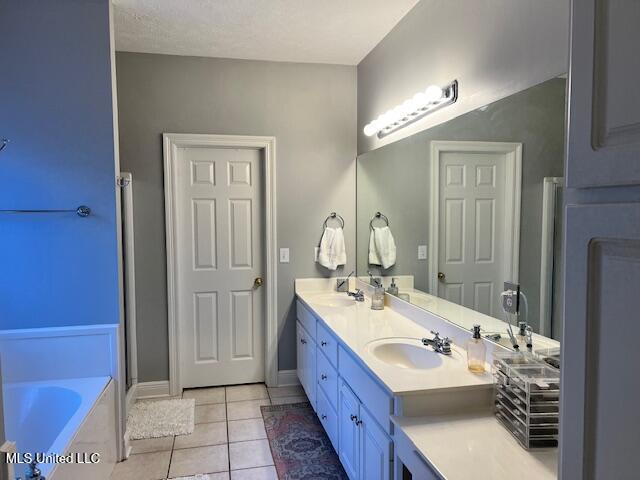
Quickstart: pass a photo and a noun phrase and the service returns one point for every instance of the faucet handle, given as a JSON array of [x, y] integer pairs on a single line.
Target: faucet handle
[[436, 335], [34, 471]]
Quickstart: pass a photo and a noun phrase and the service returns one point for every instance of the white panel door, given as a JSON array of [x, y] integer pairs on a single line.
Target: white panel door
[[600, 390], [219, 259], [473, 233], [604, 113]]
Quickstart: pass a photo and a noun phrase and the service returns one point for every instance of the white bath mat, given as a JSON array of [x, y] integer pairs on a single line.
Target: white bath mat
[[161, 418], [200, 476]]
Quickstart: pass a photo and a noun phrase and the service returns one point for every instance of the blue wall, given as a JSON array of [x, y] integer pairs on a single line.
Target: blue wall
[[56, 109]]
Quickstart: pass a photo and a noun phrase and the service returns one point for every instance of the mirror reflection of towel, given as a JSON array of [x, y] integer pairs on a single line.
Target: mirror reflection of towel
[[332, 250], [382, 247]]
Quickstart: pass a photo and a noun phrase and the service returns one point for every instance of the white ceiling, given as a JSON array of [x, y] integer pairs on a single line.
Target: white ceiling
[[316, 31]]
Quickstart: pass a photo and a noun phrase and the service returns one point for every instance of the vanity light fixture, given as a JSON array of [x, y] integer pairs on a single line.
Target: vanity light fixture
[[412, 110]]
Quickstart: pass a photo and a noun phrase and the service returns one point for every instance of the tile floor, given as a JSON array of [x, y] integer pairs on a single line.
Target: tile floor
[[229, 441]]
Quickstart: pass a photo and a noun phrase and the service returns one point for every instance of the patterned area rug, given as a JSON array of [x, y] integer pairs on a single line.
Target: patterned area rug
[[299, 444]]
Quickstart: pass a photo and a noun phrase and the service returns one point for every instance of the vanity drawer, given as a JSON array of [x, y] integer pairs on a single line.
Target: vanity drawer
[[306, 318], [328, 417], [327, 343], [377, 400], [327, 377], [414, 460]]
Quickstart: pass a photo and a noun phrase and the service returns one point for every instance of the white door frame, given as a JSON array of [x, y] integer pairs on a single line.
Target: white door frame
[[513, 193], [549, 208], [173, 141]]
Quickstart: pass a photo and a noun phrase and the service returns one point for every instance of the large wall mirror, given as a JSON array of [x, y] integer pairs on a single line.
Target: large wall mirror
[[469, 205]]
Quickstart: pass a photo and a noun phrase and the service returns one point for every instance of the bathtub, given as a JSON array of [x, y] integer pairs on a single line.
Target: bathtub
[[62, 417], [66, 398]]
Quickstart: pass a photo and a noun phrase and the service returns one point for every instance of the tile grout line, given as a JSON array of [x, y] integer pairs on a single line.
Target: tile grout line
[[173, 443], [226, 414]]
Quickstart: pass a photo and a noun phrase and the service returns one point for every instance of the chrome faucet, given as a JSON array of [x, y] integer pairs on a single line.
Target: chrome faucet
[[358, 295], [439, 345], [34, 472]]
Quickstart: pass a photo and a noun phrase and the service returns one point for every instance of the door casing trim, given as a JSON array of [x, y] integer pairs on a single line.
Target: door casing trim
[[173, 141], [513, 193]]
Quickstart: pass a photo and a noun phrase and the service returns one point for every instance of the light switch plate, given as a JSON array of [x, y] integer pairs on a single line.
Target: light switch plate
[[422, 252], [284, 255]]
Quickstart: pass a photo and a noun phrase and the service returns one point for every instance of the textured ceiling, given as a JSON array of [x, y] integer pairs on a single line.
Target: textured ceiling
[[317, 31]]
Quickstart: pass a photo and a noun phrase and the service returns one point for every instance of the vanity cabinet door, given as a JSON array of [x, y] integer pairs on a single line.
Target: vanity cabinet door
[[300, 357], [375, 449], [306, 357], [310, 374], [348, 431]]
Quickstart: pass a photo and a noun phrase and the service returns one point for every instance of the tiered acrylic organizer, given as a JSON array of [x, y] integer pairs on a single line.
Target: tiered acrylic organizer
[[527, 398]]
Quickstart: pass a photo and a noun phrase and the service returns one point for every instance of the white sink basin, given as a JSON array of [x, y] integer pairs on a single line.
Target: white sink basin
[[335, 300], [408, 353]]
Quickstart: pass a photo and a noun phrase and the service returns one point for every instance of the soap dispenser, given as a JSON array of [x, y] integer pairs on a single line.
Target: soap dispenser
[[476, 352], [377, 299], [393, 288]]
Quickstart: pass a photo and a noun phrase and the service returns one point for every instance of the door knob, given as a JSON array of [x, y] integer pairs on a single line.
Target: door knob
[[258, 282], [441, 276]]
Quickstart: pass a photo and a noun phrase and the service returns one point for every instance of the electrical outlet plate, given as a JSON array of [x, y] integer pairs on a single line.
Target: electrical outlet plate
[[511, 303], [284, 255], [422, 252]]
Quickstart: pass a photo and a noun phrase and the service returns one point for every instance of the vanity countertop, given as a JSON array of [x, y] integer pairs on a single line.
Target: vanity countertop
[[475, 445], [356, 325]]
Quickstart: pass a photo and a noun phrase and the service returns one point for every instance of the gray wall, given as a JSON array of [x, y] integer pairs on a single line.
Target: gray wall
[[395, 179], [493, 47], [310, 109], [56, 109]]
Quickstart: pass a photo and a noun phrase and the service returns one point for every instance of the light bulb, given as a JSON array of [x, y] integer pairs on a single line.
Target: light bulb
[[388, 118], [399, 113], [433, 93], [370, 129], [409, 107], [420, 100]]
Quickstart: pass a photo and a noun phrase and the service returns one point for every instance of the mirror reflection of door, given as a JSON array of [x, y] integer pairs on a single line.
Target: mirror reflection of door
[[477, 189]]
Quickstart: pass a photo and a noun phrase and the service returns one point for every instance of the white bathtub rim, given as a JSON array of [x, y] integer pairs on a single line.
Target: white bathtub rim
[[65, 438]]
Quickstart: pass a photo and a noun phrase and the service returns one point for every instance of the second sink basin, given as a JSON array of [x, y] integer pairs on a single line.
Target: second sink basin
[[334, 300], [407, 353]]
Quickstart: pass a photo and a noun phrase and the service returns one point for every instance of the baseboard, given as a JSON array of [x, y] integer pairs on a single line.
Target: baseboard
[[152, 389], [288, 377]]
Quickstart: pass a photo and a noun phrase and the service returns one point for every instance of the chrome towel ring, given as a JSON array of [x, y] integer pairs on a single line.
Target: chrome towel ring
[[333, 215], [378, 215]]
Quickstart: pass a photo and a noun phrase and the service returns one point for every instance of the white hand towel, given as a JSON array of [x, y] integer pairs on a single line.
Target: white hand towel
[[384, 247], [332, 249], [374, 258]]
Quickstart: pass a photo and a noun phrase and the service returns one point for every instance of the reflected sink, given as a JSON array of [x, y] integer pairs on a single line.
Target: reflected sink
[[334, 300], [407, 353]]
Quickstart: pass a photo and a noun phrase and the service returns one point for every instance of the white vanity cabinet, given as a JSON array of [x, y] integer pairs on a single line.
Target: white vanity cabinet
[[339, 387]]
